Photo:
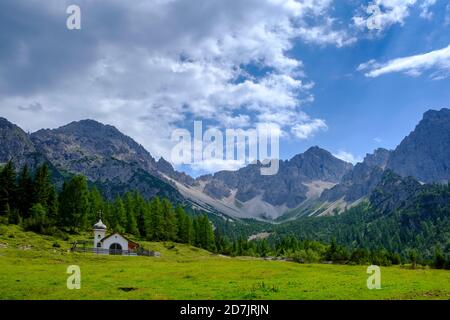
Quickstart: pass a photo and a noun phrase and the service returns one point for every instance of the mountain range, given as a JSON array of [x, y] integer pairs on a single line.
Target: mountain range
[[313, 183]]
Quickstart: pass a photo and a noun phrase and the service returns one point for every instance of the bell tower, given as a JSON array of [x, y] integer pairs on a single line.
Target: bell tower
[[99, 233]]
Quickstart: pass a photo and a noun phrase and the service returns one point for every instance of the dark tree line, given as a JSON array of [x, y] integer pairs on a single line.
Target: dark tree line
[[30, 199], [418, 231]]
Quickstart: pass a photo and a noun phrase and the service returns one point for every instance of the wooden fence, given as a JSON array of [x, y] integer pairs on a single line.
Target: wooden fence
[[136, 252]]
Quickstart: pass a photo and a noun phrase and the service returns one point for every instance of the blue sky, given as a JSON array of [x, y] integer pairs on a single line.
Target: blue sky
[[365, 113], [313, 69]]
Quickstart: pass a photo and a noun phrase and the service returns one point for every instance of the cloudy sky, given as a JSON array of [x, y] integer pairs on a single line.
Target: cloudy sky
[[315, 69]]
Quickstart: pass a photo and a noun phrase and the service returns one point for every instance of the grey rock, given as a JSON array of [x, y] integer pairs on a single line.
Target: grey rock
[[379, 158], [425, 152], [16, 145], [166, 167], [286, 187]]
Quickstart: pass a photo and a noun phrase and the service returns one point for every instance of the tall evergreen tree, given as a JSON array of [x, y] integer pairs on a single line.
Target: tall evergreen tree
[[142, 213], [130, 209], [96, 206], [8, 189], [53, 206], [25, 192], [204, 233], [154, 224], [38, 220], [42, 186], [74, 203], [118, 216], [184, 226], [169, 220]]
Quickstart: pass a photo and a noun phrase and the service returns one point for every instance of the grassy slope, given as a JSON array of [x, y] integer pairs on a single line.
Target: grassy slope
[[184, 272]]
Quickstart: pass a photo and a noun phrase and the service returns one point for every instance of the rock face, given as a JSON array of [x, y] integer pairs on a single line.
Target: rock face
[[308, 181], [425, 152], [108, 158], [15, 143], [288, 187], [93, 149], [360, 181], [163, 166], [379, 158], [393, 192], [424, 155]]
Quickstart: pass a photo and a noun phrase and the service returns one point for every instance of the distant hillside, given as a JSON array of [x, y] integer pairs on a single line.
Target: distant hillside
[[399, 215], [425, 153], [314, 183], [108, 158]]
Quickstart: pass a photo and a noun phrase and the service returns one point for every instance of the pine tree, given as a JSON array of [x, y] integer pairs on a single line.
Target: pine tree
[[42, 186], [53, 206], [155, 221], [96, 206], [74, 203], [413, 258], [25, 192], [119, 216], [196, 239], [130, 209], [221, 245], [184, 226], [263, 248], [169, 221], [204, 233], [8, 189], [439, 259], [38, 220], [142, 213]]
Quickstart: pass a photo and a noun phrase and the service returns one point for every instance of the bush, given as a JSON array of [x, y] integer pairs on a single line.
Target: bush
[[439, 259], [38, 221]]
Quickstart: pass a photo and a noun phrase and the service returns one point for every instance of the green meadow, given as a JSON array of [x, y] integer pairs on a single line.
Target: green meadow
[[35, 267]]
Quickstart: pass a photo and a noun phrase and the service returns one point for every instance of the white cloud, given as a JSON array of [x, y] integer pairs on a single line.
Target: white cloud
[[377, 140], [425, 7], [157, 65], [214, 165], [326, 34], [308, 128], [437, 61], [347, 156], [390, 12]]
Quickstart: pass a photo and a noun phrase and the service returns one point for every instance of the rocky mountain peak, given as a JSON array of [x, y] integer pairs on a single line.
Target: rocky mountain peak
[[436, 115], [378, 158], [15, 143], [424, 153], [91, 148], [165, 167], [319, 164], [4, 123]]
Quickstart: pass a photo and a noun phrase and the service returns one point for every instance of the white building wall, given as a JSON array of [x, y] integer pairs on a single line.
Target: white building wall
[[99, 234], [116, 238]]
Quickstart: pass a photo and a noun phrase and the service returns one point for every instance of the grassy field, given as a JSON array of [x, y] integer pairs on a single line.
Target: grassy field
[[30, 268]]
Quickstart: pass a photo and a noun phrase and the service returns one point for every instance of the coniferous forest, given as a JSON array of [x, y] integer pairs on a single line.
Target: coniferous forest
[[357, 236]]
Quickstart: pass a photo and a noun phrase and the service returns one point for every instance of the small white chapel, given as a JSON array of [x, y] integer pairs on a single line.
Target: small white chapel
[[113, 244]]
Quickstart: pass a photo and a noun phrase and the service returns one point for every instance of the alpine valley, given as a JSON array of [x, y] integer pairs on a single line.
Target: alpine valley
[[314, 194]]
